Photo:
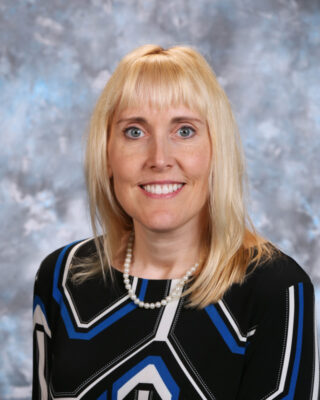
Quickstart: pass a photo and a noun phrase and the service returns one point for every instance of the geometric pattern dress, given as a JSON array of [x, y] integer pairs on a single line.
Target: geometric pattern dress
[[259, 342]]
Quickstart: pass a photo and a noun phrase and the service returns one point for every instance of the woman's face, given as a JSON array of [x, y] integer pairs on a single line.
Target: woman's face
[[160, 164]]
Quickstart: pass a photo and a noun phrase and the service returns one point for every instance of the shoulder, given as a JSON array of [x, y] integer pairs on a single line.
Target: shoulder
[[278, 273], [268, 287], [271, 280], [53, 263]]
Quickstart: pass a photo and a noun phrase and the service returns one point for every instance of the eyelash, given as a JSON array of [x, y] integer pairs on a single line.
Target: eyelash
[[134, 127]]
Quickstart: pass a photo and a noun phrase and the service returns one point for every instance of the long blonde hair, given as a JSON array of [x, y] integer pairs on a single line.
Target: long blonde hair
[[168, 77]]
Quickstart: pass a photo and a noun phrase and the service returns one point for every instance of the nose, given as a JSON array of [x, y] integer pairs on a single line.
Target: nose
[[159, 153]]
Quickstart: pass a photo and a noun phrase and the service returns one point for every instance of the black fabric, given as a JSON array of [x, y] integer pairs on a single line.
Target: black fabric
[[92, 342]]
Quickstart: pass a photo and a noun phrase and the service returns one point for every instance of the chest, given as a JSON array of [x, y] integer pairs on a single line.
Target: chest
[[171, 351]]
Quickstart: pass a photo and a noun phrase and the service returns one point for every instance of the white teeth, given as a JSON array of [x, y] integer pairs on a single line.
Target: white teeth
[[162, 189]]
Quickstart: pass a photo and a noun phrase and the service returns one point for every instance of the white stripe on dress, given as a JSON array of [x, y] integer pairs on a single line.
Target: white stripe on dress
[[288, 347], [41, 365], [75, 314]]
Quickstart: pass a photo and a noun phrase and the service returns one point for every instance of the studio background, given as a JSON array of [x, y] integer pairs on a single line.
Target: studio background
[[56, 56]]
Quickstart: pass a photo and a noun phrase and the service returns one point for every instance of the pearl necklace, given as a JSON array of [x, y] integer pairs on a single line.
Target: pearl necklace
[[175, 293]]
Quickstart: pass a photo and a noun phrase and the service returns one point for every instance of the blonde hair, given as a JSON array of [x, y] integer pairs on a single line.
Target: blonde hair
[[168, 77]]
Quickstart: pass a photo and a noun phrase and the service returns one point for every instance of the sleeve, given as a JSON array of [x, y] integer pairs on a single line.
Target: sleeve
[[42, 334], [282, 358]]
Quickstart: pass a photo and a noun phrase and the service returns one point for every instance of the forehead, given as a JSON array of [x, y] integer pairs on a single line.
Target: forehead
[[147, 109]]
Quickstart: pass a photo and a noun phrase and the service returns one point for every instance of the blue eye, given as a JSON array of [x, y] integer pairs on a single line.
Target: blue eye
[[186, 129], [135, 130]]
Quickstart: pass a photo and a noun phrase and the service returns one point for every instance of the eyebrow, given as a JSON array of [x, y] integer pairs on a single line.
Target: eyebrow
[[173, 120]]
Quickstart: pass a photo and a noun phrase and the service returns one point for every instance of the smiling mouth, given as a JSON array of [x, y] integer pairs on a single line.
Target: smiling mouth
[[162, 189]]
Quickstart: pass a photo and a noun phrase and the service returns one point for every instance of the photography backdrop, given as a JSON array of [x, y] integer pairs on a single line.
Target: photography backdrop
[[56, 56]]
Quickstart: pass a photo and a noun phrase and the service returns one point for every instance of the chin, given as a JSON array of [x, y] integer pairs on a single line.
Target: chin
[[160, 223], [162, 226]]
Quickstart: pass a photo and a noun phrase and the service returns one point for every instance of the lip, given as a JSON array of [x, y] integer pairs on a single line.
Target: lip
[[159, 183], [162, 196]]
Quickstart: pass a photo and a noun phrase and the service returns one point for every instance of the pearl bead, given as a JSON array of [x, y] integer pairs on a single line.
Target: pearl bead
[[175, 293]]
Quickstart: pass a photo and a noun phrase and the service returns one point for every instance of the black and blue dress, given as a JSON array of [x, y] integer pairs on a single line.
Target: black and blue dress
[[259, 342]]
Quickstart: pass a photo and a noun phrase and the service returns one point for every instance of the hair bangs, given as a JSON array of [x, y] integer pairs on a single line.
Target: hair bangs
[[162, 84]]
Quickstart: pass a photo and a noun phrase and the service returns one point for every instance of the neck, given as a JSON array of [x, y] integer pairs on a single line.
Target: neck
[[165, 254]]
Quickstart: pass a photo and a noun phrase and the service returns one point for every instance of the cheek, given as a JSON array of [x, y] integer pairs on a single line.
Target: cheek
[[124, 171], [118, 163], [199, 165]]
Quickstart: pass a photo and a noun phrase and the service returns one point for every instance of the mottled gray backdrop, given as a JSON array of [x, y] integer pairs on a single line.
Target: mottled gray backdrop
[[56, 56]]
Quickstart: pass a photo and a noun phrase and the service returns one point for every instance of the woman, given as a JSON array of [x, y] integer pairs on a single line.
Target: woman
[[179, 297]]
